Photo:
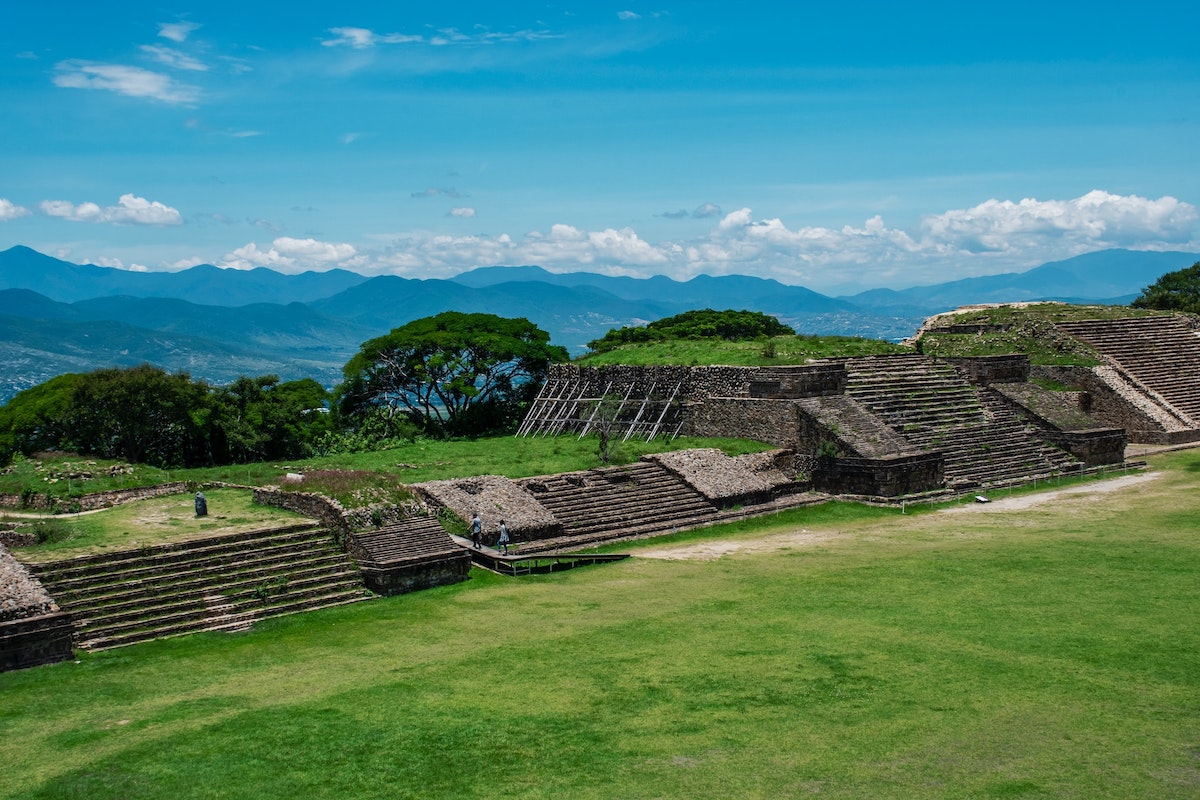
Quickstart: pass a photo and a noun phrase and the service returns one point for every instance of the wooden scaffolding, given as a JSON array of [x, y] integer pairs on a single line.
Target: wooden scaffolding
[[577, 405]]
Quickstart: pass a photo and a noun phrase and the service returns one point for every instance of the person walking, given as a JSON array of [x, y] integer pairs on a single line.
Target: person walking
[[477, 531], [502, 543]]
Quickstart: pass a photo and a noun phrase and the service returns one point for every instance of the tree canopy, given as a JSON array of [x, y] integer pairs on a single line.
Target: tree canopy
[[703, 324], [1174, 291], [144, 414], [452, 373]]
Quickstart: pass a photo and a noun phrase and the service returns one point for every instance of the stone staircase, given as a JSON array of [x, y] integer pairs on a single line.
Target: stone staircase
[[983, 442], [218, 583], [414, 539], [1162, 354], [642, 499]]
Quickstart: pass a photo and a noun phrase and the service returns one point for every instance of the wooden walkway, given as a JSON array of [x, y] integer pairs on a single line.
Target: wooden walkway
[[515, 564]]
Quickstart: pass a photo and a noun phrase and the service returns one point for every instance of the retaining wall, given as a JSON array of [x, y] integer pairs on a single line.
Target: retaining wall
[[882, 477], [1110, 408], [983, 370], [771, 421], [33, 641], [90, 502]]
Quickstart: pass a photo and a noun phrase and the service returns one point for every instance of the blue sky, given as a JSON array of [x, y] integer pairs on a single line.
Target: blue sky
[[839, 148]]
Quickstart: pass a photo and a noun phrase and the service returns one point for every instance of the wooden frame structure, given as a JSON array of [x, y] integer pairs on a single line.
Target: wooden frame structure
[[576, 405]]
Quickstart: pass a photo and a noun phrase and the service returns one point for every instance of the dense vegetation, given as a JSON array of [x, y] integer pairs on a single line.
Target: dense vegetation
[[1175, 291], [453, 373], [146, 415], [704, 324], [449, 375]]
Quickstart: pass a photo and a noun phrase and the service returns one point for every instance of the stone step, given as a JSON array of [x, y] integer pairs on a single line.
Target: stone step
[[176, 552], [196, 609], [181, 571], [136, 597], [232, 622]]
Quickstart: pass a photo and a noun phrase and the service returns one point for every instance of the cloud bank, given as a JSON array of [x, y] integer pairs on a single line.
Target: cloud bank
[[123, 79], [993, 236], [129, 210]]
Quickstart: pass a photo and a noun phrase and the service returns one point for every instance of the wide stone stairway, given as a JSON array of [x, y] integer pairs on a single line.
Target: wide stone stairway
[[641, 499], [218, 583], [1160, 353], [412, 540], [935, 408]]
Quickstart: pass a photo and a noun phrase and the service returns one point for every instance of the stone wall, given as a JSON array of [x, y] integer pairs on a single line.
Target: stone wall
[[1094, 447], [494, 497], [814, 380], [983, 370], [33, 629], [329, 512], [1111, 408], [730, 480], [90, 502], [771, 421], [880, 477], [414, 577], [33, 641]]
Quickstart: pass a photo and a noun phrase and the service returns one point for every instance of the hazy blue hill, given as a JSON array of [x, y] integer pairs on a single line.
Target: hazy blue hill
[[703, 291], [23, 268], [572, 316], [218, 324], [31, 305], [389, 301], [34, 350], [262, 324], [1106, 276]]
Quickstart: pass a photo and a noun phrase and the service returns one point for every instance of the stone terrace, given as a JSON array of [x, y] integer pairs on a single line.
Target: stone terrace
[[1160, 354], [216, 583], [640, 499], [934, 408]]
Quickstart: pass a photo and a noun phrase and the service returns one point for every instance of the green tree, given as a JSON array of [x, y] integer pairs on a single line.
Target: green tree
[[1175, 291], [258, 419], [37, 418], [142, 414], [702, 324], [453, 373]]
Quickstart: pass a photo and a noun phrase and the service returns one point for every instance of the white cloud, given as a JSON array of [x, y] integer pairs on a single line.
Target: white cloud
[[294, 255], [10, 210], [174, 58], [994, 236], [363, 38], [627, 15], [126, 80], [465, 212], [360, 38], [130, 210], [1095, 219], [176, 31]]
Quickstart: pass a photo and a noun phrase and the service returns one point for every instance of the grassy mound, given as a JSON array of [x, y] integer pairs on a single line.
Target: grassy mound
[[772, 351], [1027, 328]]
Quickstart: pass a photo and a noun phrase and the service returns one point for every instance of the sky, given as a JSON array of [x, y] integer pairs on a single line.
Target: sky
[[840, 147]]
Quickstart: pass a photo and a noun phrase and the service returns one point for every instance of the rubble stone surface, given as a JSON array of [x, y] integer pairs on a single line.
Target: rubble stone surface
[[21, 595]]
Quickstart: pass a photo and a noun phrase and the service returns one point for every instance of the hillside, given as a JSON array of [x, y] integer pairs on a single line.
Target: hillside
[[219, 323]]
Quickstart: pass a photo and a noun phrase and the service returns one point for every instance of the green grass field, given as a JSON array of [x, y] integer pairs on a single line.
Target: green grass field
[[414, 462], [1042, 650]]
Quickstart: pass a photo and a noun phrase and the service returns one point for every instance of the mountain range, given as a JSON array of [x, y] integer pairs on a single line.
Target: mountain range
[[217, 324]]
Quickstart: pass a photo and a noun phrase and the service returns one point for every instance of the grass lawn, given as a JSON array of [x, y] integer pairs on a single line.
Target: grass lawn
[[1047, 651], [153, 521]]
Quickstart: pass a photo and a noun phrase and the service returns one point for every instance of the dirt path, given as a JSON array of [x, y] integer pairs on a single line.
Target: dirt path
[[1024, 501], [711, 550]]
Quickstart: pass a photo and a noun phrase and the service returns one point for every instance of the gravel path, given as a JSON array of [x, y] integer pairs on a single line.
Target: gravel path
[[711, 550]]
